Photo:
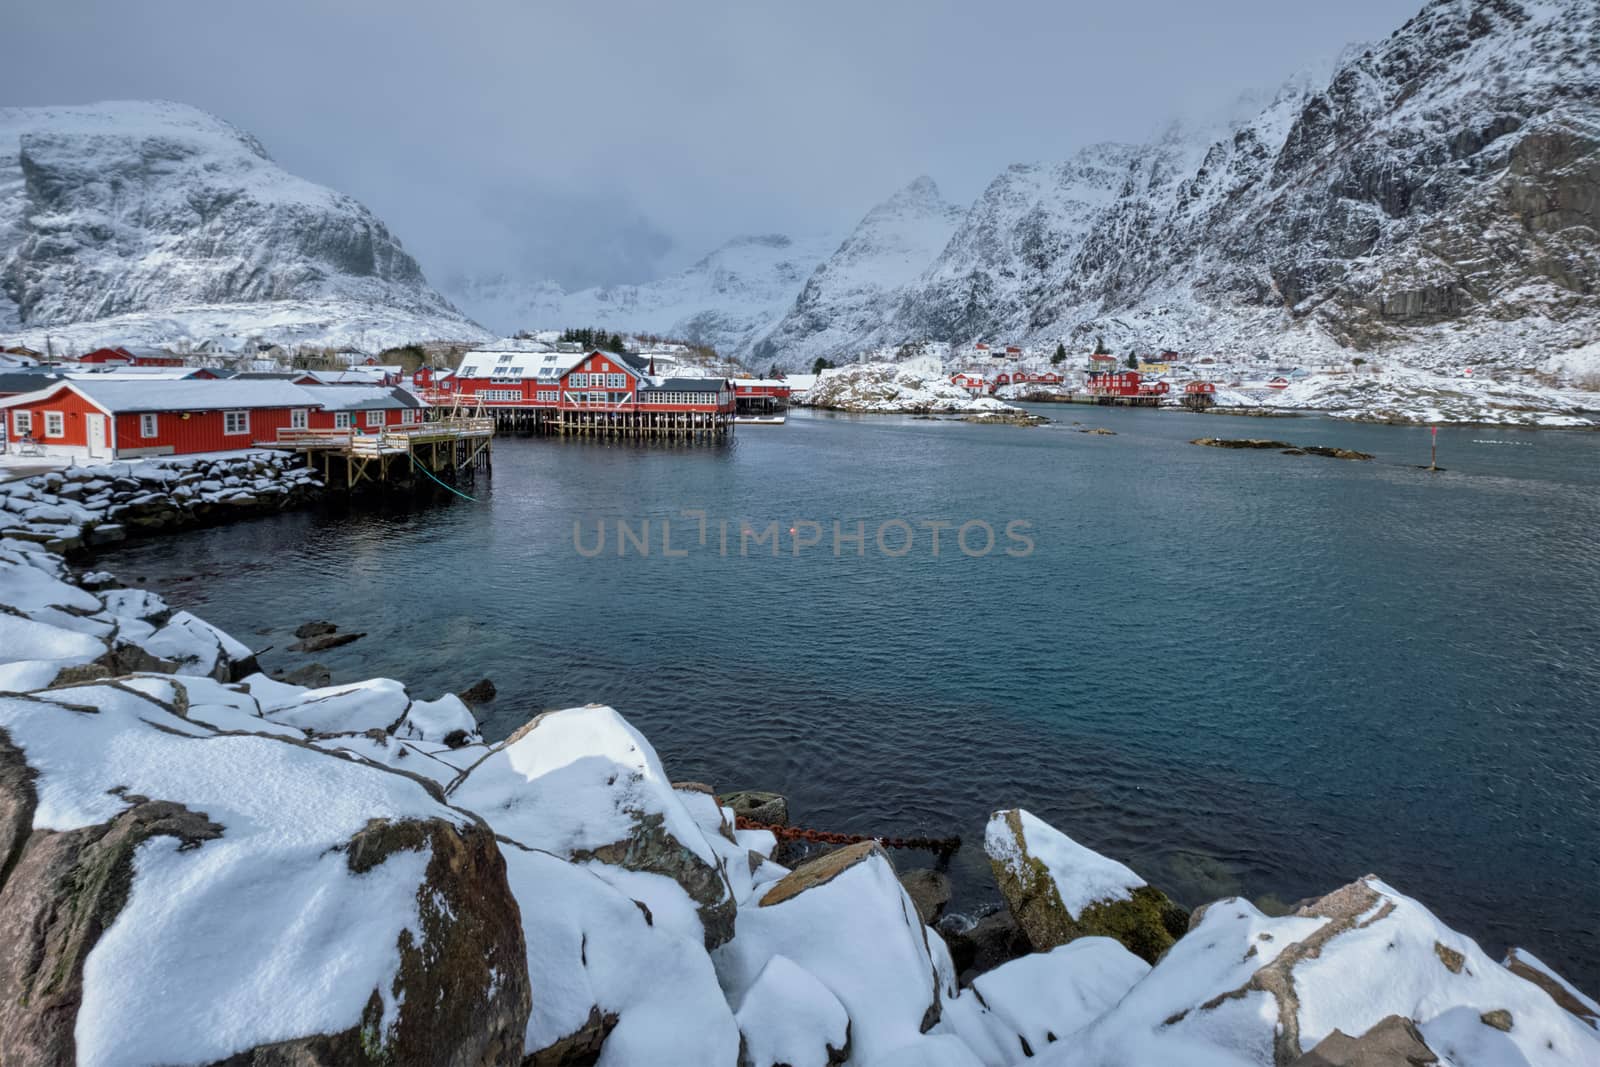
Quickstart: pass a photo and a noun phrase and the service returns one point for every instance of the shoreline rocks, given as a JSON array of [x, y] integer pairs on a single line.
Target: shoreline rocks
[[350, 874], [80, 507]]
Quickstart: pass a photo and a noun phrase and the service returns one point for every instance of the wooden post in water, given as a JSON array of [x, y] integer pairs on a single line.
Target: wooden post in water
[[1433, 458]]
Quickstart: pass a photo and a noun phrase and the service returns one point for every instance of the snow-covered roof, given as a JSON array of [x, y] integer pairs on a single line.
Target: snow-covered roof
[[485, 363], [134, 374], [359, 397], [119, 396]]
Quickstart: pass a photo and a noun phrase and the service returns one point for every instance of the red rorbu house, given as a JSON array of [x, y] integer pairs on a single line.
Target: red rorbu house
[[593, 392], [121, 419], [760, 399], [1127, 387], [132, 357], [972, 383]]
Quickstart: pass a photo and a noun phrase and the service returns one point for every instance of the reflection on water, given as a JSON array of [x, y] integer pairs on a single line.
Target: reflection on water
[[1240, 672]]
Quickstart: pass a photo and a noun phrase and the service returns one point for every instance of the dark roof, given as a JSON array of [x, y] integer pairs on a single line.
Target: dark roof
[[687, 385], [25, 381], [637, 362]]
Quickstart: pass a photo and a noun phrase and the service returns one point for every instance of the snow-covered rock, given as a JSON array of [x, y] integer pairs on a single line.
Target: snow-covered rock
[[607, 976], [889, 388], [584, 785], [152, 222], [1241, 988], [174, 894], [844, 919], [1059, 891]]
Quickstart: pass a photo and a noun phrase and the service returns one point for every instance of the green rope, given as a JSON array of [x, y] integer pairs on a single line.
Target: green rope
[[452, 488]]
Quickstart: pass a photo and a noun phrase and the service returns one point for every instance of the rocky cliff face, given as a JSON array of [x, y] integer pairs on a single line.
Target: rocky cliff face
[[1437, 198], [845, 296], [129, 209]]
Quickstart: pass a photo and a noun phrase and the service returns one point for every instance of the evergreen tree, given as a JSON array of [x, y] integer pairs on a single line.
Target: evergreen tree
[[818, 366], [1060, 356], [1100, 348], [1133, 361]]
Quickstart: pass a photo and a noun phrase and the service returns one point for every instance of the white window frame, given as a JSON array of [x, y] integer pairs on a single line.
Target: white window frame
[[374, 418], [235, 423], [21, 423], [149, 425], [616, 381], [341, 420], [55, 424], [299, 418], [578, 380]]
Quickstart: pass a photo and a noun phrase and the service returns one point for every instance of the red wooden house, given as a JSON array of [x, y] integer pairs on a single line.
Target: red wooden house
[[132, 357], [121, 419], [971, 382]]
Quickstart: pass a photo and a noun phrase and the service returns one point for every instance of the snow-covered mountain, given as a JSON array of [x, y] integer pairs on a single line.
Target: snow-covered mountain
[[725, 300], [1434, 199], [148, 221], [845, 296]]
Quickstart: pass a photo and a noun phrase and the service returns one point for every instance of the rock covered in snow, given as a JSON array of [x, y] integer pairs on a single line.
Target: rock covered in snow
[[889, 388], [1059, 891], [1242, 988], [585, 785], [343, 911], [844, 919]]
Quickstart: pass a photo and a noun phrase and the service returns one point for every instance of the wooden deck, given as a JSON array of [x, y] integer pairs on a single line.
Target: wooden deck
[[446, 450]]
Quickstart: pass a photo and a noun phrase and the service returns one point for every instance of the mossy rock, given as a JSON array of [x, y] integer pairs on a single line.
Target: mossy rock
[[1147, 922]]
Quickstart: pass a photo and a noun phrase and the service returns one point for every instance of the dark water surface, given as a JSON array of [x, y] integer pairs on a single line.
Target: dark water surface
[[1239, 672]]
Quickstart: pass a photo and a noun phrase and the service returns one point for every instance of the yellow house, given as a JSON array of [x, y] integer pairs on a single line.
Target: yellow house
[[1154, 368]]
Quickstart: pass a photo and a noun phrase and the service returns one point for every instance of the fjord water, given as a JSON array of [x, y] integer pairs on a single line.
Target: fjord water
[[1238, 671]]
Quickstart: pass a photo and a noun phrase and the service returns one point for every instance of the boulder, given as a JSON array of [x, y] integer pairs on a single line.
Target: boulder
[[311, 675], [929, 891], [479, 692], [314, 629], [1244, 988], [325, 642], [1392, 1042], [1058, 890], [844, 919], [607, 977], [770, 809], [1038, 999], [138, 842], [788, 1018], [976, 948], [583, 784]]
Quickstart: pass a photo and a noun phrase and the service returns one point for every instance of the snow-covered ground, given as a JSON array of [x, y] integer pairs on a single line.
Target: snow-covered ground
[[1418, 396], [897, 389]]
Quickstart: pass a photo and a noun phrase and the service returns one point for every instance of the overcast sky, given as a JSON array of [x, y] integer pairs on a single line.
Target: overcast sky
[[603, 141]]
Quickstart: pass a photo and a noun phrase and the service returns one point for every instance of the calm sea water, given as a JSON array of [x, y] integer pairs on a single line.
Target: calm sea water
[[1239, 672]]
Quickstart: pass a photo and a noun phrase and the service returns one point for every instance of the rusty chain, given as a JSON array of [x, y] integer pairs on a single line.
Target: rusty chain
[[942, 845]]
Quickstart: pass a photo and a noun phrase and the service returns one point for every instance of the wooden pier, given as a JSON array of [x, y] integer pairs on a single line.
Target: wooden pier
[[448, 451]]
